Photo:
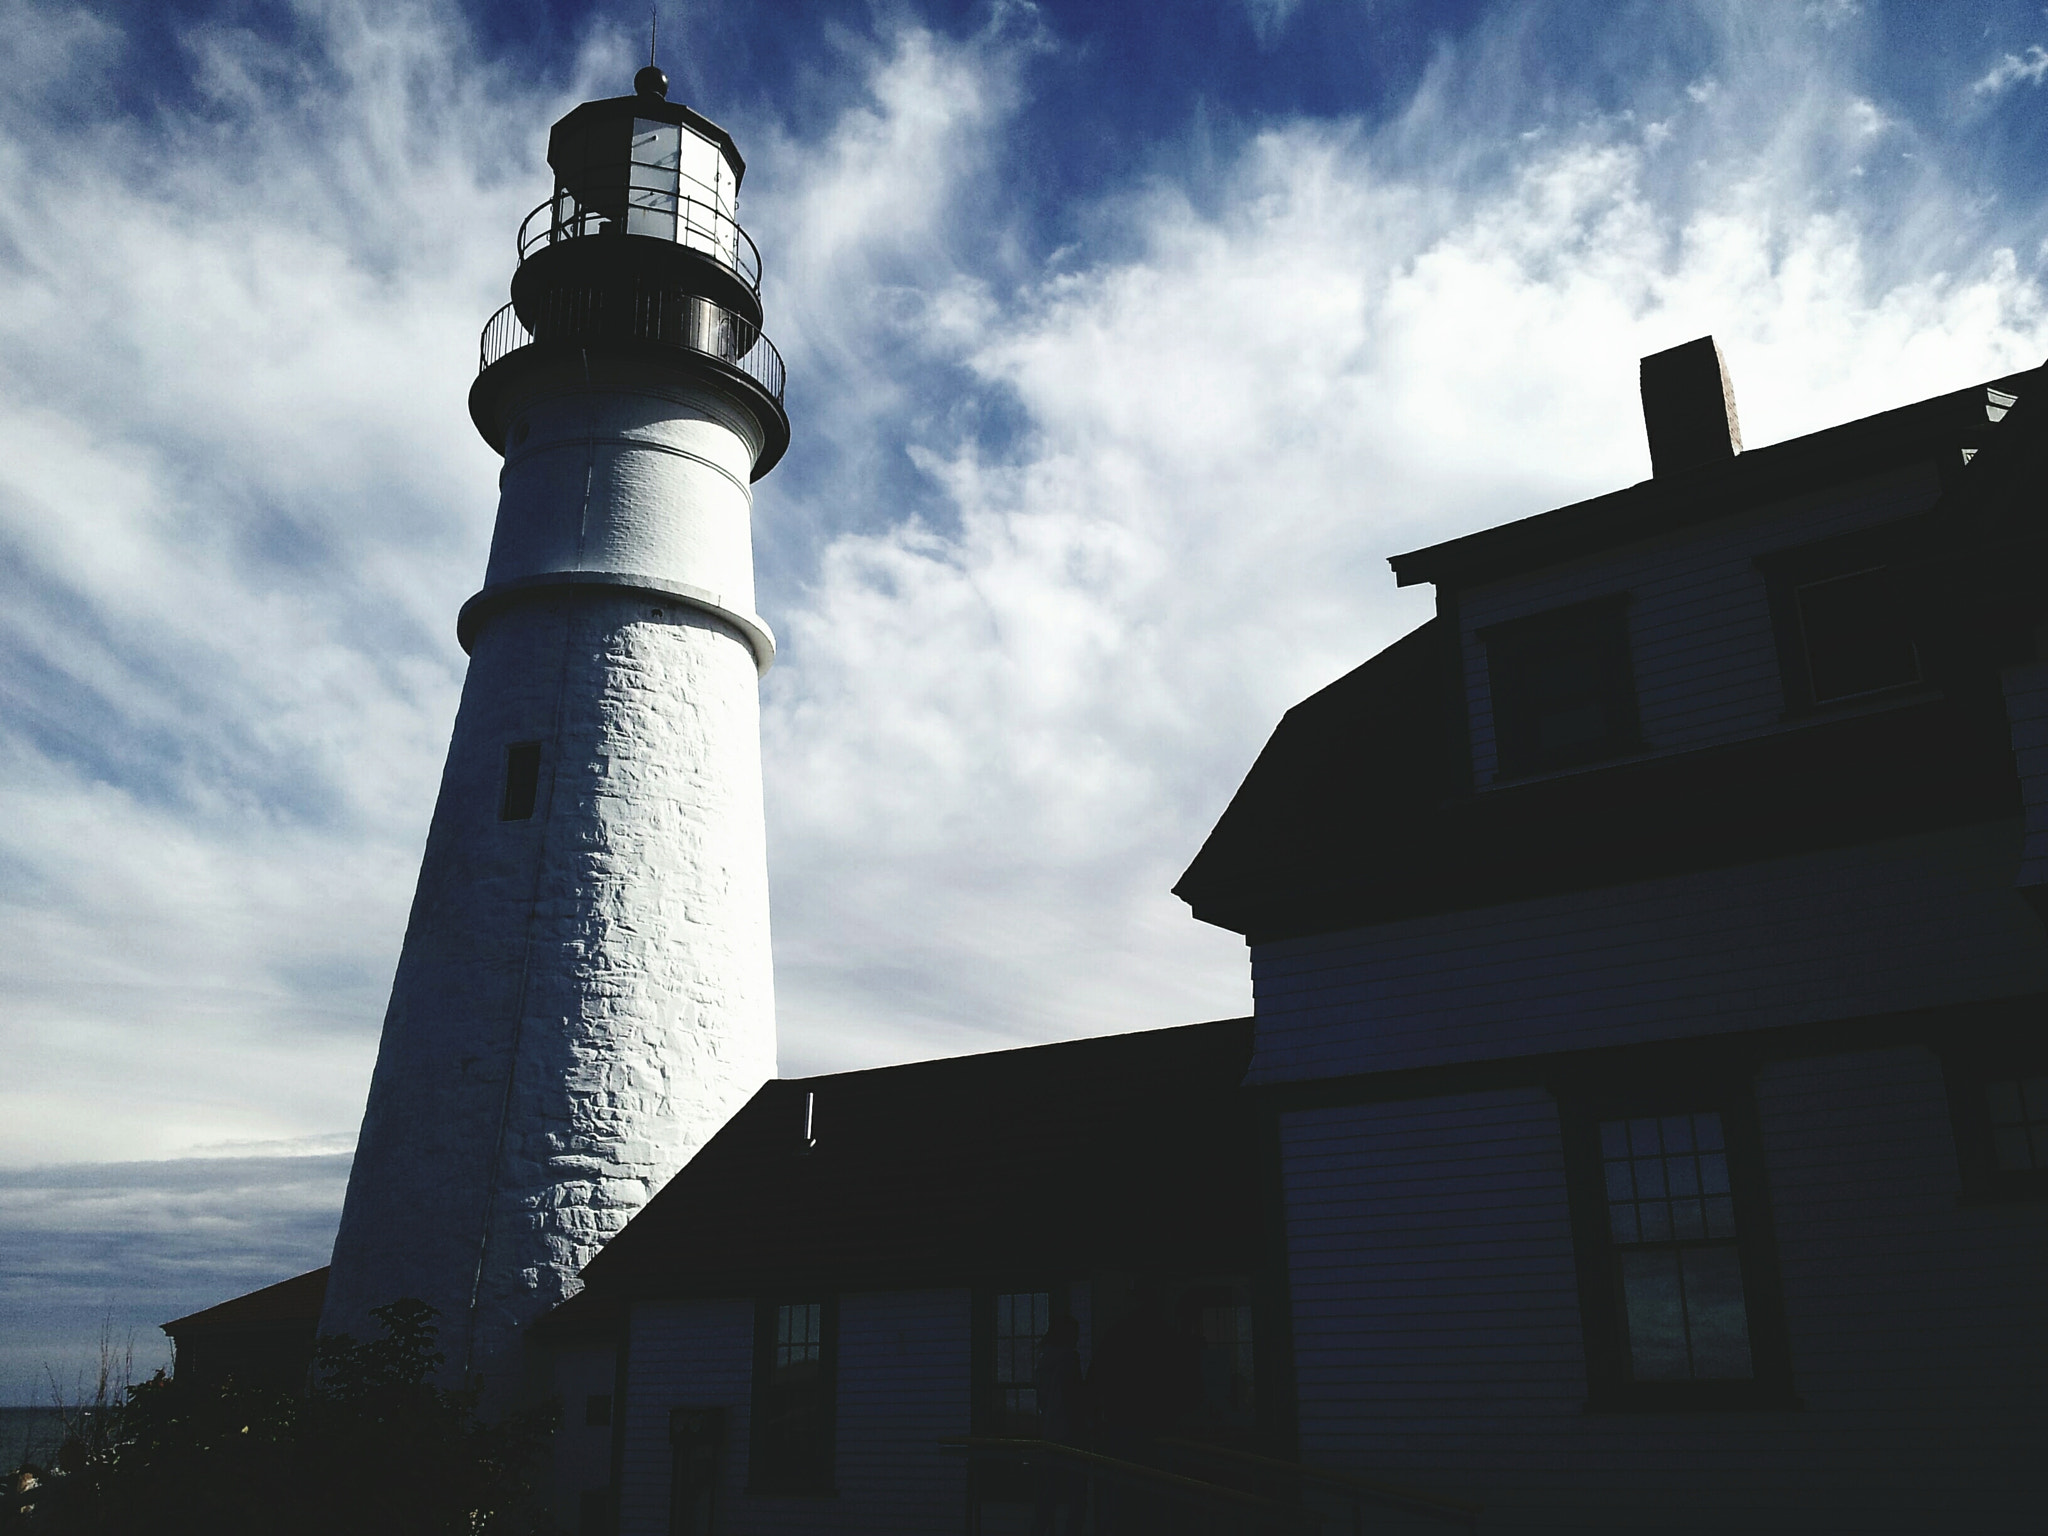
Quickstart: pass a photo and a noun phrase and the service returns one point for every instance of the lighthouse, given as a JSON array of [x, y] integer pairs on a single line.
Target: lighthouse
[[585, 991]]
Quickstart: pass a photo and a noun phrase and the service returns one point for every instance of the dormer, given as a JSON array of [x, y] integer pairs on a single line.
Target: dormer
[[1752, 652], [1728, 596]]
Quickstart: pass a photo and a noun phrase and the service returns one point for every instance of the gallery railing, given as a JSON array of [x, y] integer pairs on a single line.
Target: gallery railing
[[628, 312]]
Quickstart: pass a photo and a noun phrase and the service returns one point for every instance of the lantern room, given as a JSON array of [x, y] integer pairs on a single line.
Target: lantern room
[[646, 184], [638, 255]]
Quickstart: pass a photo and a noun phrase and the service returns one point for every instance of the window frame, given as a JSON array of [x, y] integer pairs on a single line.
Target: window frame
[[1582, 1106], [985, 1415], [819, 1481], [1966, 1071], [999, 1480], [1512, 642], [1786, 572]]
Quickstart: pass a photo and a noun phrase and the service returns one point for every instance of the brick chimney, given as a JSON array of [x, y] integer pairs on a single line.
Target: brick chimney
[[1689, 408]]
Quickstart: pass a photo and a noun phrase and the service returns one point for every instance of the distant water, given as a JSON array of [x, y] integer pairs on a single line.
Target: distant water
[[29, 1434]]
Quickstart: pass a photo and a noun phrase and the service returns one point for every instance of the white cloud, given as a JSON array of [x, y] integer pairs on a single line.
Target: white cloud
[[1269, 18], [2013, 69]]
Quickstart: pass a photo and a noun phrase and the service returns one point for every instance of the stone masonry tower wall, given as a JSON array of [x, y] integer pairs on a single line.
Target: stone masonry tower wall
[[585, 991]]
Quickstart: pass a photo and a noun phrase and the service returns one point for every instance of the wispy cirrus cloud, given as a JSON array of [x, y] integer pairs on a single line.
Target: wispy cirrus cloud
[[2012, 69]]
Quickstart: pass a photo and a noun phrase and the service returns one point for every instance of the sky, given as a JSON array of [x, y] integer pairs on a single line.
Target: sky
[[1125, 343]]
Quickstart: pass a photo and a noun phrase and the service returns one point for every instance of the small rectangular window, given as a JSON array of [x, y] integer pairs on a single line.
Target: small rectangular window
[[522, 781], [1562, 687], [1021, 1320], [793, 1397]]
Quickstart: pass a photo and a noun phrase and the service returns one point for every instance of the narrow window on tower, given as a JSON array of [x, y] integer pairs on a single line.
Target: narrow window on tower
[[522, 781]]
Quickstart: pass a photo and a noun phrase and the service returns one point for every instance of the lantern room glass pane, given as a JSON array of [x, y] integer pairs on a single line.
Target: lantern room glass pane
[[707, 213], [652, 179]]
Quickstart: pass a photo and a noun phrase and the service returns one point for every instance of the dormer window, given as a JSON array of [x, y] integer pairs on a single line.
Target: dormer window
[[1563, 688], [1844, 620], [1854, 633]]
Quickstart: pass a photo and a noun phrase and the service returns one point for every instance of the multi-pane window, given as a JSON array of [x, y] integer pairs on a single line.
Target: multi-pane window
[[799, 1335], [2019, 1123], [1021, 1321], [1671, 1223], [793, 1397]]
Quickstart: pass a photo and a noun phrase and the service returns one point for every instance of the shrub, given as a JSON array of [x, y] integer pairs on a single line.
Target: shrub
[[372, 1446]]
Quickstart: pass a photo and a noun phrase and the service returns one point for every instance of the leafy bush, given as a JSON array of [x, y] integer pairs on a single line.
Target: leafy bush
[[371, 1447]]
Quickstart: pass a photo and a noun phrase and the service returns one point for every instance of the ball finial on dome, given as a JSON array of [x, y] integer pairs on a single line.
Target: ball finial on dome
[[651, 81]]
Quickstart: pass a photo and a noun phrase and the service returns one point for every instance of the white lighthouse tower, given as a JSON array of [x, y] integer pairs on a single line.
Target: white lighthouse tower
[[585, 992]]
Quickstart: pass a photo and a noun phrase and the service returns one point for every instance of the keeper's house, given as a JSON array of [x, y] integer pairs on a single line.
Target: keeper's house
[[1644, 1121]]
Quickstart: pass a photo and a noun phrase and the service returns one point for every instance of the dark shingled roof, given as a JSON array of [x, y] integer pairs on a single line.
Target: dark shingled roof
[[1127, 1151], [297, 1300]]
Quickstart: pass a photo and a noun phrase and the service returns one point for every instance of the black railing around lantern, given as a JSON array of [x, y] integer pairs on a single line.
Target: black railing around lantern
[[581, 316], [687, 221]]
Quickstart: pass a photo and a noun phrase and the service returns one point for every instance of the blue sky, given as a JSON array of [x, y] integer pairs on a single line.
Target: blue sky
[[1125, 343]]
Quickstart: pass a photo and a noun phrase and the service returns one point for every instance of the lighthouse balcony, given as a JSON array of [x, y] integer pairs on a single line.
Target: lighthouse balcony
[[684, 328]]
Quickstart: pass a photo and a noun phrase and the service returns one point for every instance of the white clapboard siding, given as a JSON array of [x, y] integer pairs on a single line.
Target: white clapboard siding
[[904, 1382], [2026, 708], [1700, 637], [1430, 1261], [1916, 1314], [684, 1354], [1911, 923], [1438, 1337]]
